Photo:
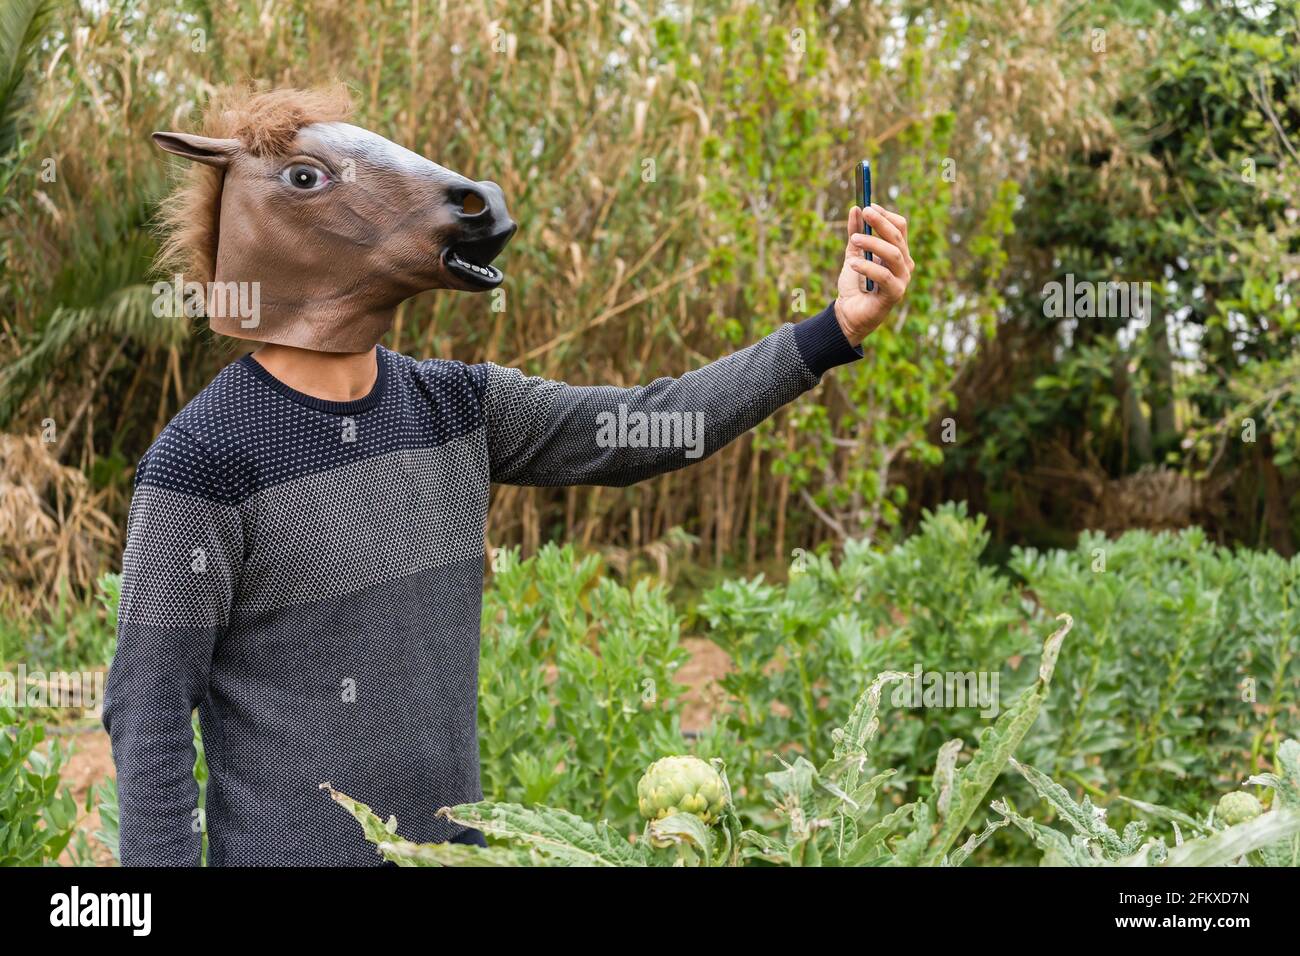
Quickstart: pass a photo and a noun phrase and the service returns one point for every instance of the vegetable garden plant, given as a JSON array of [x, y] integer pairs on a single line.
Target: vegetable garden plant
[[828, 810], [830, 816]]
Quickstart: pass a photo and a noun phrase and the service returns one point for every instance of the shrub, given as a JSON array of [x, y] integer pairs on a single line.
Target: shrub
[[576, 672], [1185, 662], [808, 644], [37, 817], [1181, 672]]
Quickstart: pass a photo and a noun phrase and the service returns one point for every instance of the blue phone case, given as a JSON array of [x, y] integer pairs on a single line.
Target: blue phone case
[[862, 179]]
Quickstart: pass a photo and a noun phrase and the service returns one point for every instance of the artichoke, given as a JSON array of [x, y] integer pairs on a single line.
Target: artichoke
[[1238, 807], [681, 785]]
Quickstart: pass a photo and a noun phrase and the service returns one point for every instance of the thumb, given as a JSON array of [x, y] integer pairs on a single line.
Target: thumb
[[855, 225]]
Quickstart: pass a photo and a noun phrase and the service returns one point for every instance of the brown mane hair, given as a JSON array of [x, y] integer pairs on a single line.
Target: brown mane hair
[[266, 123]]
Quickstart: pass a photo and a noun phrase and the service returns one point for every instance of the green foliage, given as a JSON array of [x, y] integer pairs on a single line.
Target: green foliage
[[109, 833], [1178, 676], [828, 809], [927, 602], [831, 820], [1183, 668], [961, 791], [1285, 784], [1180, 670], [404, 853], [37, 816], [1254, 838], [886, 401], [1196, 194], [576, 671], [557, 835], [74, 635], [21, 25]]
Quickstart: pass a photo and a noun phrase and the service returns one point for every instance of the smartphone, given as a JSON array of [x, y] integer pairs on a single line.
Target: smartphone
[[862, 179]]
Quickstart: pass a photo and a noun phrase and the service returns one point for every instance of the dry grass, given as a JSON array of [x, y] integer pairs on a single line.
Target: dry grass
[[53, 533]]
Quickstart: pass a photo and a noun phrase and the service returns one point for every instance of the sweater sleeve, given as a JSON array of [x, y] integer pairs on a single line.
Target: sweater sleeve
[[542, 432], [179, 568]]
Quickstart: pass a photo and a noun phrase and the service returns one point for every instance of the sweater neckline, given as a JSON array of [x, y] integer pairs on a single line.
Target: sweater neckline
[[353, 407]]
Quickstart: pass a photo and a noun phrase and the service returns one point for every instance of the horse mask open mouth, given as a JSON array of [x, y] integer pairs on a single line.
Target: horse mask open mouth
[[470, 260], [331, 225]]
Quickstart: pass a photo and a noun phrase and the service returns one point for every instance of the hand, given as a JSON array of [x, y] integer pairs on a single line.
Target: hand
[[860, 313]]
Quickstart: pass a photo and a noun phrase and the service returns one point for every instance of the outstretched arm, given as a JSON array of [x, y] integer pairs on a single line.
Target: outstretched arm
[[543, 432]]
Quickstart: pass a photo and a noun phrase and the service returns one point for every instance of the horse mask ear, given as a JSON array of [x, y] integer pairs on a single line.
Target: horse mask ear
[[202, 149]]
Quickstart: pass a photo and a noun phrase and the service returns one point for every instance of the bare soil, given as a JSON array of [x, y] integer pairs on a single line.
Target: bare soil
[[91, 762], [708, 664]]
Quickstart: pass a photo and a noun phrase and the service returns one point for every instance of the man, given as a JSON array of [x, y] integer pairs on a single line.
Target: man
[[304, 555]]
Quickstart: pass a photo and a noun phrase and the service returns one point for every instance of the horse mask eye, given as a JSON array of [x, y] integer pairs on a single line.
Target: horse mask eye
[[305, 177]]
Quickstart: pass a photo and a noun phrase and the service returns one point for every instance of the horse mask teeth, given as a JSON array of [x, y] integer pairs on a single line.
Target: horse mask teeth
[[283, 165]]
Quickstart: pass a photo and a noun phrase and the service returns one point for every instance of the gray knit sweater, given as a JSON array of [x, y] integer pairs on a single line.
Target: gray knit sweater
[[308, 575]]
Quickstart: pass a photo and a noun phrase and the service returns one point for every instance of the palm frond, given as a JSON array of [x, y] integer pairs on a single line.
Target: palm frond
[[21, 24], [126, 313]]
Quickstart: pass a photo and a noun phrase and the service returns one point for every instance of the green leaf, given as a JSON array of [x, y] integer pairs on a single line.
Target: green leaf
[[683, 830], [764, 847], [871, 843], [997, 744], [1058, 850], [405, 853], [975, 841], [556, 834], [21, 25], [1086, 820], [1228, 845], [911, 850], [1170, 814]]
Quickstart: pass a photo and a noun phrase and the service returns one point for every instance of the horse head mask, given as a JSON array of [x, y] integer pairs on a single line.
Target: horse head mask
[[332, 225]]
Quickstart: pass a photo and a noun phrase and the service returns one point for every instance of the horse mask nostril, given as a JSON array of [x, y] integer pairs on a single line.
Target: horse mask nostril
[[472, 204]]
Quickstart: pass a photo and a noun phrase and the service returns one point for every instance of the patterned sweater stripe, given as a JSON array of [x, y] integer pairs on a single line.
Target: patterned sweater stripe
[[308, 576]]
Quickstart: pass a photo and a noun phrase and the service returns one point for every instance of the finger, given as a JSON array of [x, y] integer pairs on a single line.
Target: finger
[[896, 219], [881, 224], [890, 254], [899, 223], [890, 285]]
